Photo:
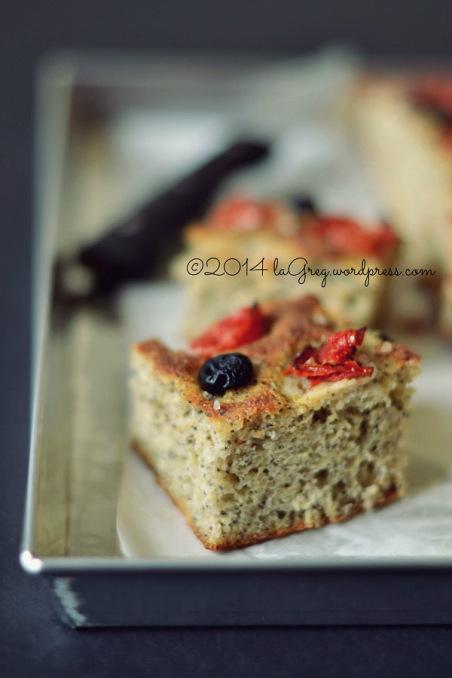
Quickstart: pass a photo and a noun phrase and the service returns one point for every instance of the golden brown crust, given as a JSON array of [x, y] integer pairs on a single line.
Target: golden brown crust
[[293, 325], [176, 364], [402, 355], [392, 494]]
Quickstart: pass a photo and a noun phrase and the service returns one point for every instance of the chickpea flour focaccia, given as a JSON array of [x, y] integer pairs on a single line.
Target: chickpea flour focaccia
[[251, 234], [403, 125], [273, 422]]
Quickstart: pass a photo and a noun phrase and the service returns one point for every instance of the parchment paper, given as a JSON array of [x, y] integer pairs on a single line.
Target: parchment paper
[[418, 526]]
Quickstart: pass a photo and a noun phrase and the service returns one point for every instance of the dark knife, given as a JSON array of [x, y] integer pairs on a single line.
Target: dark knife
[[133, 248]]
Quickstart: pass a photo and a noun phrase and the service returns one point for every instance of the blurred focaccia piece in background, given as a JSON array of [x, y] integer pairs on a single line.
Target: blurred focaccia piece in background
[[241, 229], [404, 129]]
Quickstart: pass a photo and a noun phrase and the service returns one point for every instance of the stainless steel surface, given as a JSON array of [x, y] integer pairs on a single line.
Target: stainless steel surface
[[79, 418], [79, 397], [70, 509]]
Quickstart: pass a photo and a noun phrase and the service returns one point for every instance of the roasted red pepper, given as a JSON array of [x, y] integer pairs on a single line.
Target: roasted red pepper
[[339, 236], [244, 327], [241, 214], [332, 361]]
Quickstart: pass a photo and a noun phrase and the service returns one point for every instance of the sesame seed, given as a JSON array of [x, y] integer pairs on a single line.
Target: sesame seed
[[216, 405], [386, 347], [320, 319]]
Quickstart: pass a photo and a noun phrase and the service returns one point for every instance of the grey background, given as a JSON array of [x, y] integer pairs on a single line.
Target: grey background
[[32, 642]]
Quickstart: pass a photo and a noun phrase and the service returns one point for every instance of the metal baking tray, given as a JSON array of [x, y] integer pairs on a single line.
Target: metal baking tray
[[79, 423]]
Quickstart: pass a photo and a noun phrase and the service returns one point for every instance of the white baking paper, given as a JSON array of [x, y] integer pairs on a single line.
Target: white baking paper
[[418, 526]]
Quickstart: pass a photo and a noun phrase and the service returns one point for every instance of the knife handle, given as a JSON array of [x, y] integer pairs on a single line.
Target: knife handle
[[131, 249]]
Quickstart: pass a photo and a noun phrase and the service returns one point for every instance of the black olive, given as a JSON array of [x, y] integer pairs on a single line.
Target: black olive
[[305, 203], [229, 370]]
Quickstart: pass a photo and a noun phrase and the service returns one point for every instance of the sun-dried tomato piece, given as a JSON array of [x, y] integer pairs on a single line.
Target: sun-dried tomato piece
[[332, 361], [350, 369], [244, 327], [446, 138], [339, 236], [241, 214], [305, 355], [340, 345], [434, 93]]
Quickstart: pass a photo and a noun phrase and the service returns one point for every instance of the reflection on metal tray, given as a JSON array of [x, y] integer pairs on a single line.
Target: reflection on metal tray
[[109, 133]]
